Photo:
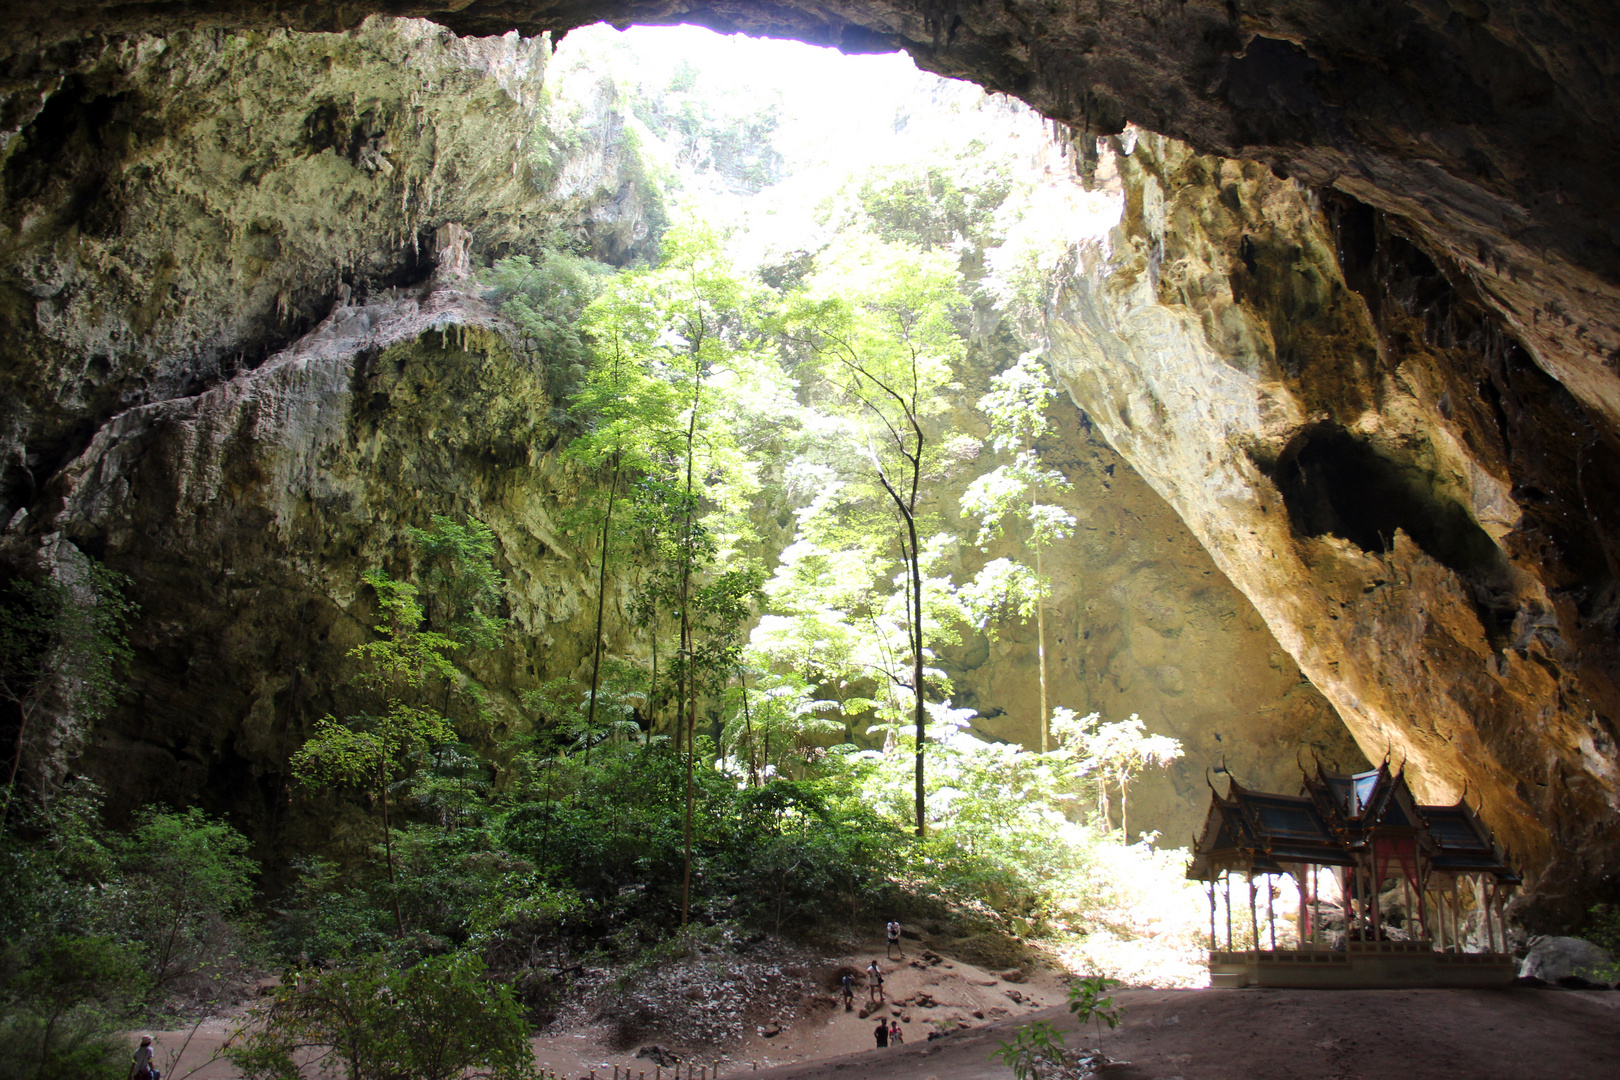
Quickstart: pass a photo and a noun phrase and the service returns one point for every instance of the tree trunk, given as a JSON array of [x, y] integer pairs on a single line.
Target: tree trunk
[[917, 671], [689, 667], [388, 852], [1040, 651], [16, 764], [748, 729], [601, 604]]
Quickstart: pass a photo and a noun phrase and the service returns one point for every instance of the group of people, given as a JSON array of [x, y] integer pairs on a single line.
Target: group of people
[[887, 1031]]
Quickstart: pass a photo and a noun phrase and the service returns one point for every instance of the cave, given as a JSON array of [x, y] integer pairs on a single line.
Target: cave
[[1334, 484], [1425, 192]]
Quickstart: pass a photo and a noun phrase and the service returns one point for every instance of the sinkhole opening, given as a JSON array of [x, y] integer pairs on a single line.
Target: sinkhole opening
[[1335, 483]]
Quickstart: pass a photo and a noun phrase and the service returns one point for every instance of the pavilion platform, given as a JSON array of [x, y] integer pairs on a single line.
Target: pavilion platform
[[1362, 965]]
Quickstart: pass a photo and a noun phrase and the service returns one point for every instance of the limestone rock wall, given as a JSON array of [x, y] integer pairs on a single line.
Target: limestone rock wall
[[1142, 621], [241, 355], [246, 516], [176, 209], [226, 368], [1486, 125], [1400, 492]]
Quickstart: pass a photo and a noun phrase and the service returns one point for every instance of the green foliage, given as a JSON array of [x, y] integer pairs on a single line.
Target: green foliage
[[543, 296], [94, 925], [187, 883], [437, 1019], [1032, 1047], [459, 569], [402, 668], [62, 643], [1089, 1000], [326, 918], [935, 205], [1114, 753], [1603, 927]]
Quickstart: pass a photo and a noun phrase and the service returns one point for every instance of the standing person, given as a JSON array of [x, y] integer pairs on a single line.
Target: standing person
[[848, 984], [896, 1036], [893, 930], [881, 1033], [874, 990], [141, 1067]]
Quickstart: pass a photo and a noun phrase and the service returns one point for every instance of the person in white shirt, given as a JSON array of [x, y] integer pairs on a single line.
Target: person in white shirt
[[893, 930]]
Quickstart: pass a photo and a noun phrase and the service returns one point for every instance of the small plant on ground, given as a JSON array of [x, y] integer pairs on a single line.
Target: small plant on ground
[[1039, 1044], [1089, 1000]]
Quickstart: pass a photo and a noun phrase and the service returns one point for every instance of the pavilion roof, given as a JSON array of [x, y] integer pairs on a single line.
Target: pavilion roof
[[1260, 831], [1463, 844], [1333, 821]]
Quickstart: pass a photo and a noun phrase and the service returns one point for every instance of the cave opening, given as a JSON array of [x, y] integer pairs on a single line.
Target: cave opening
[[1334, 483]]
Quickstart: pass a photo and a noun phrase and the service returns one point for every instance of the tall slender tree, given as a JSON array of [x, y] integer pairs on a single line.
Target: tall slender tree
[[879, 318], [403, 666], [1009, 498], [688, 322]]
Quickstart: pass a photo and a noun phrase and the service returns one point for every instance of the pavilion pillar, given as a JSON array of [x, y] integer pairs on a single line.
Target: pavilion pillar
[[1353, 913], [1501, 915], [1457, 918], [1271, 912], [1406, 898], [1315, 912], [1254, 920], [1212, 914], [1492, 905], [1302, 924], [1228, 878]]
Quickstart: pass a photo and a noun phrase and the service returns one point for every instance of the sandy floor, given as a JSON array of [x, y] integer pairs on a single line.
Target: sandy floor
[[1167, 1035], [962, 994], [1301, 1035]]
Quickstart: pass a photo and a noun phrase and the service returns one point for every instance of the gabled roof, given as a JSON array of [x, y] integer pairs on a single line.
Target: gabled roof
[[1358, 804], [1463, 844], [1333, 821], [1255, 830]]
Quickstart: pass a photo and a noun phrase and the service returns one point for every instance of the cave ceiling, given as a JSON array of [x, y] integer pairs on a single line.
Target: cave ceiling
[[1485, 128]]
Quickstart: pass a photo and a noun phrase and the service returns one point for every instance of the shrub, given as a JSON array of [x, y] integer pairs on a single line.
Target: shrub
[[435, 1020]]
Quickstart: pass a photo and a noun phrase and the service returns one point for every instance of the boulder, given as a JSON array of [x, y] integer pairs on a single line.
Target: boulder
[[1552, 958]]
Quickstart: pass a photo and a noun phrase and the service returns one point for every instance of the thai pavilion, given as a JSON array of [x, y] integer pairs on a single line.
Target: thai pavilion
[[1354, 846]]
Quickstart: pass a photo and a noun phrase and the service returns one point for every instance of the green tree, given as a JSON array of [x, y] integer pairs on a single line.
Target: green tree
[[436, 1020], [1114, 753], [1012, 493], [628, 414], [186, 882], [62, 643], [401, 668], [691, 321], [66, 973], [879, 320]]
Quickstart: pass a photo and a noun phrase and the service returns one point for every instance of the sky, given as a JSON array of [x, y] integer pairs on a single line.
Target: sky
[[841, 116]]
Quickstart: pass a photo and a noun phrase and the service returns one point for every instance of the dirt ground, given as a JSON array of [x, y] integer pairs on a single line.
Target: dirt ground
[[1298, 1035], [1521, 1034]]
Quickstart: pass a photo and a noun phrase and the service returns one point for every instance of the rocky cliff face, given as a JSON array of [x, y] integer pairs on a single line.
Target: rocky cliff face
[[1484, 125], [177, 209], [1415, 509], [243, 355], [264, 394], [1142, 621], [1382, 395]]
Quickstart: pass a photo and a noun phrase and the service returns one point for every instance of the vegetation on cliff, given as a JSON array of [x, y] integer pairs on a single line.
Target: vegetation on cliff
[[764, 429]]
